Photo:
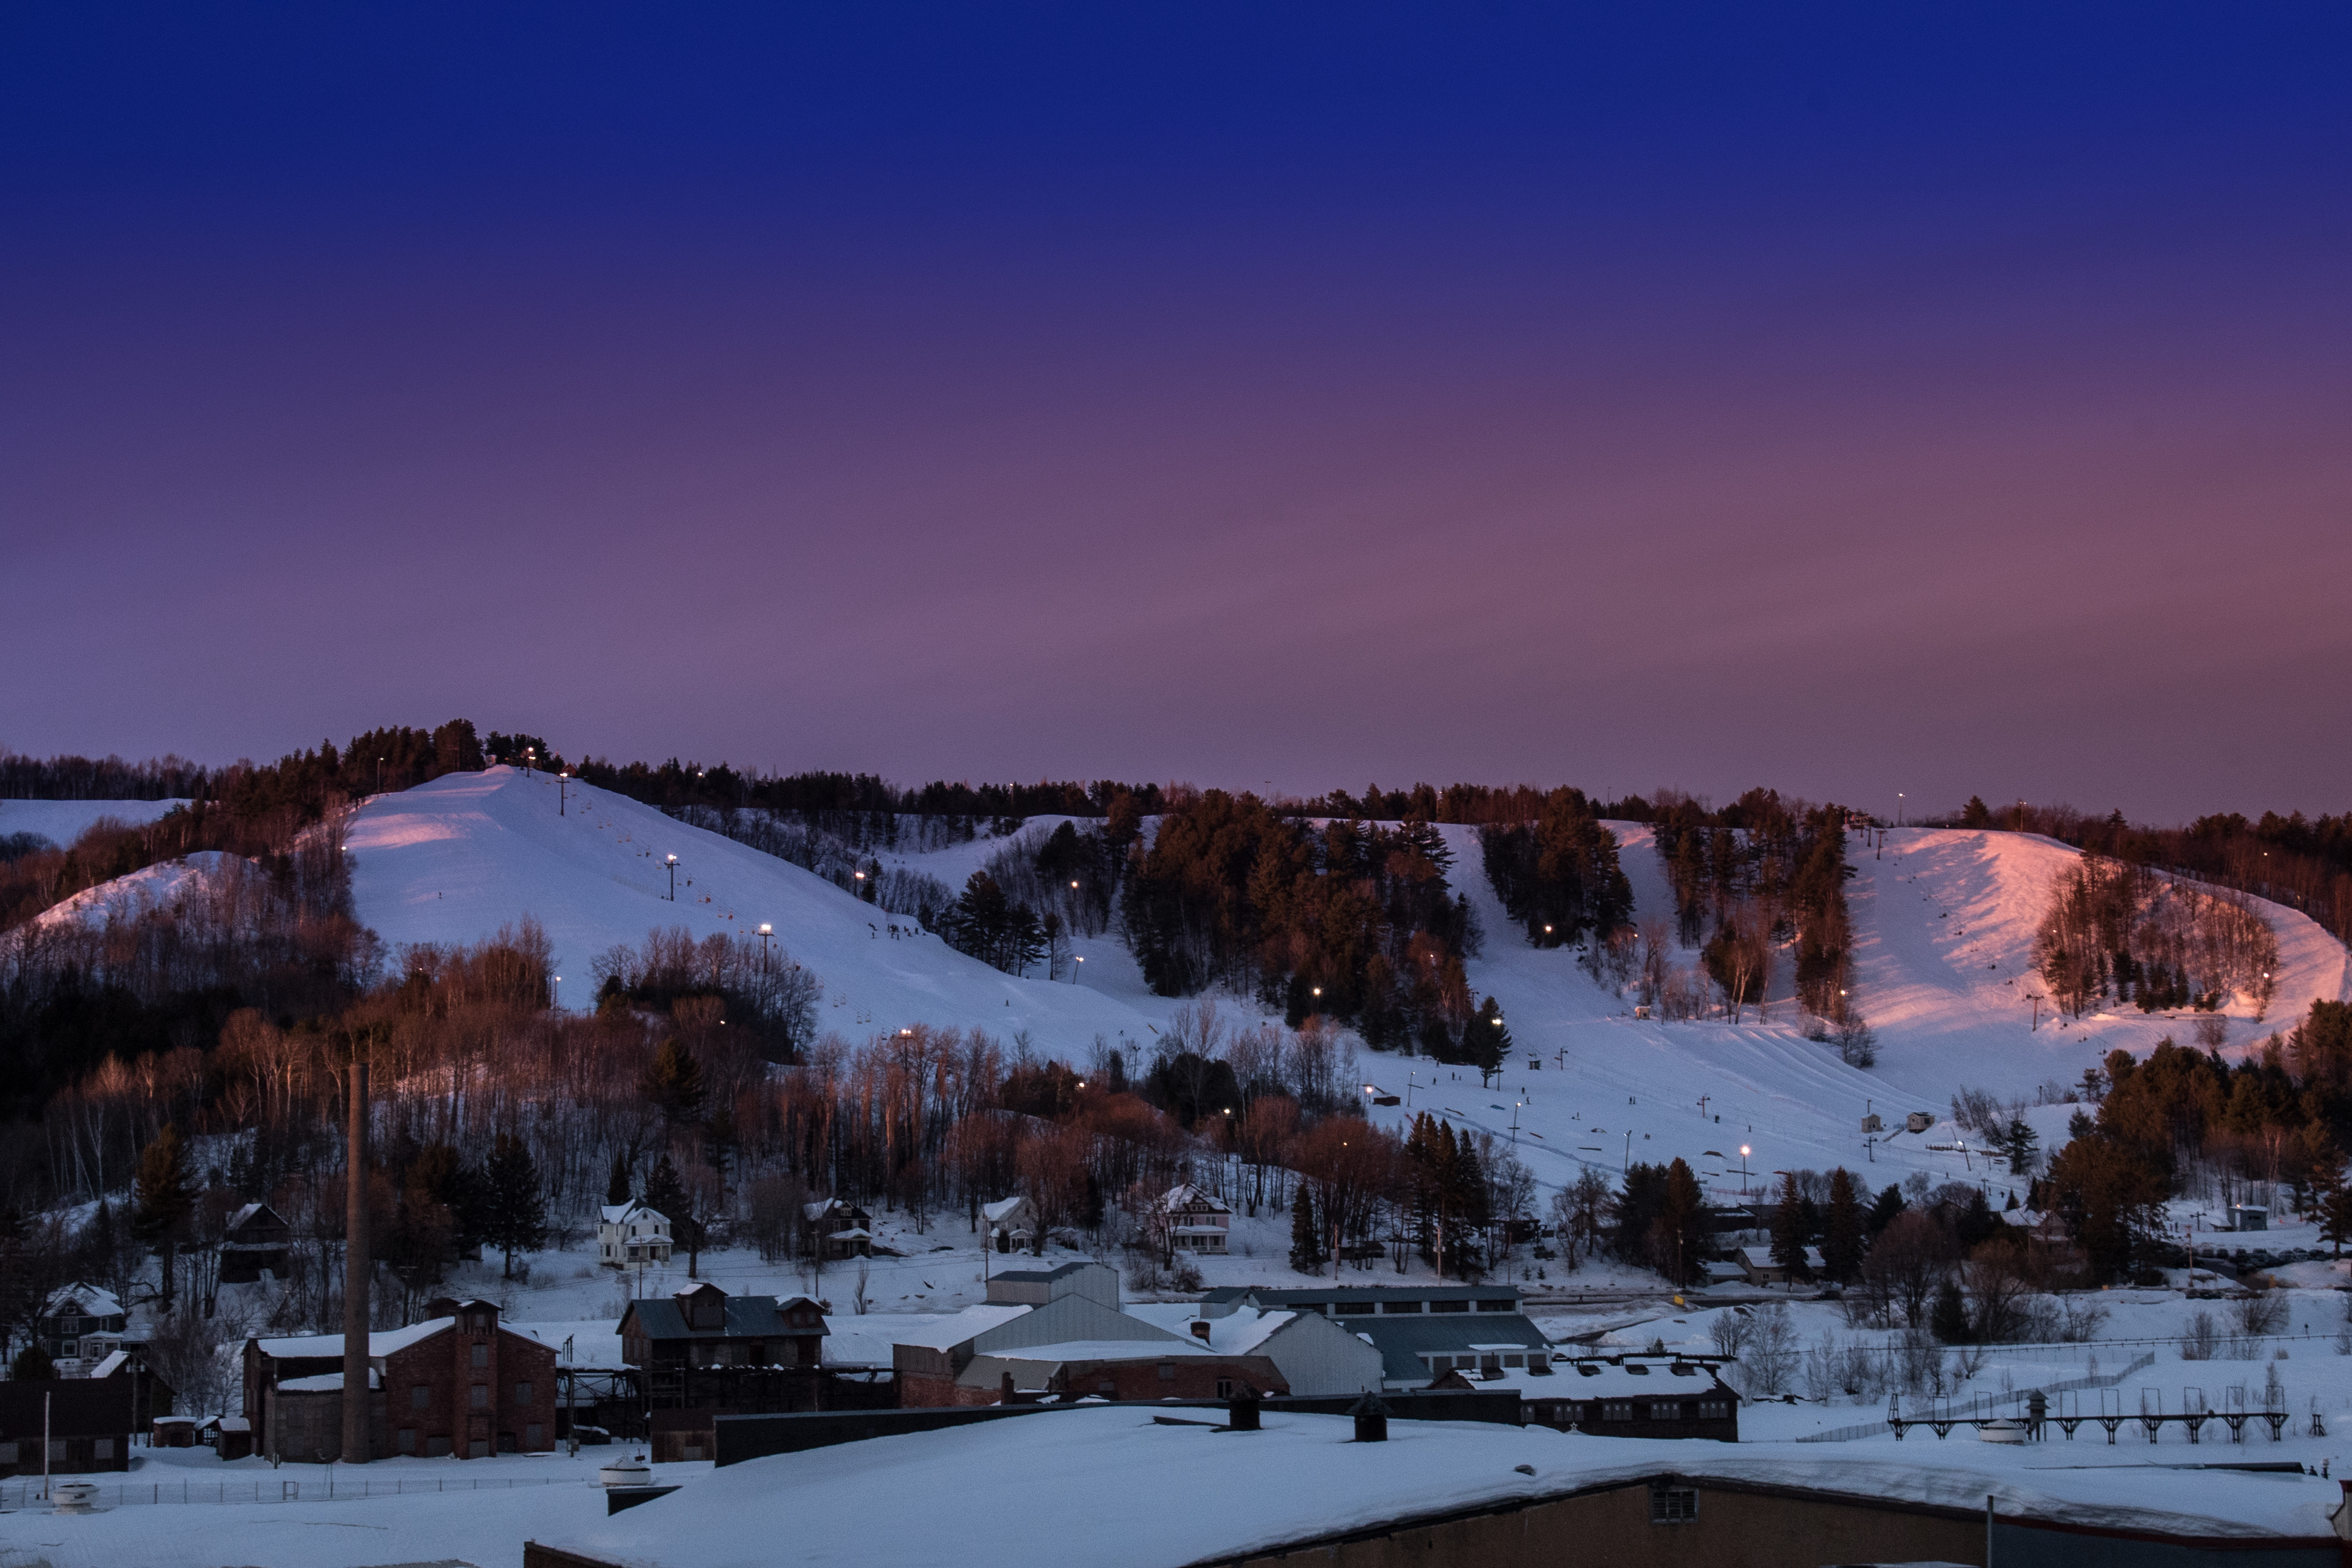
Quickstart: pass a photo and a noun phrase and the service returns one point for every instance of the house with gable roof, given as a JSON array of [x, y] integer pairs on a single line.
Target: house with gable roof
[[629, 1235], [256, 1238], [1193, 1221]]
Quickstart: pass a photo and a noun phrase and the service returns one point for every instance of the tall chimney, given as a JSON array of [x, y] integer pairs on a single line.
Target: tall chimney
[[355, 1274]]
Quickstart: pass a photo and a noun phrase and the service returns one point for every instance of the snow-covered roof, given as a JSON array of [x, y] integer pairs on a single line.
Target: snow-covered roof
[[1186, 1195], [1003, 1208], [946, 1330], [247, 1213], [303, 1346], [232, 1423], [110, 1365], [1021, 1489], [1610, 1380], [622, 1214], [1107, 1350], [1761, 1258], [1238, 1333], [85, 1300], [324, 1383]]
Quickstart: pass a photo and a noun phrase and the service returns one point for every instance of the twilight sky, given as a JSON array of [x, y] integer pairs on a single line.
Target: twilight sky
[[1935, 399]]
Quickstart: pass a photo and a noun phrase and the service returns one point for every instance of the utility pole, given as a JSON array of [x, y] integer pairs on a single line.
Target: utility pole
[[572, 1393], [355, 1269], [672, 878]]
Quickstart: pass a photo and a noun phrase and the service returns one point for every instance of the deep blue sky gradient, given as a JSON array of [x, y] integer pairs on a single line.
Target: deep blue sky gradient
[[1853, 399]]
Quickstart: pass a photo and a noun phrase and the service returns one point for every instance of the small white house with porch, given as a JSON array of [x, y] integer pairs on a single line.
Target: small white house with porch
[[630, 1234], [1011, 1224]]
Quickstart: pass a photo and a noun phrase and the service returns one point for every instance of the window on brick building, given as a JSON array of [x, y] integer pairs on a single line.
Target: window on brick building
[[420, 1396], [1672, 1504], [481, 1355], [408, 1439], [101, 1448], [1166, 1371], [481, 1396], [522, 1393]]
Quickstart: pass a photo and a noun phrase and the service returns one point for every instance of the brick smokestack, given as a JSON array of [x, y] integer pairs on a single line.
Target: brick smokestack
[[355, 1274]]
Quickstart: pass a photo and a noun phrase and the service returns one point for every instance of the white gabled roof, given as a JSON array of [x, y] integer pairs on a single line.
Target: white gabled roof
[[1186, 1195], [1239, 1332], [107, 1368], [1002, 1208], [621, 1214], [88, 1300], [950, 1330], [379, 1344]]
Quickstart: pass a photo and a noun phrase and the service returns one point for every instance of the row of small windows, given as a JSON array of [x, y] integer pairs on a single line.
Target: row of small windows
[[1367, 1308], [22, 1451], [1665, 1410]]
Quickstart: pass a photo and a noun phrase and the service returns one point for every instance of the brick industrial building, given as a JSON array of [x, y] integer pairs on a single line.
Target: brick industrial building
[[459, 1384]]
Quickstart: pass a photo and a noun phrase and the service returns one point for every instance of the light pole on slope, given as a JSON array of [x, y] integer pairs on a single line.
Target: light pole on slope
[[672, 862]]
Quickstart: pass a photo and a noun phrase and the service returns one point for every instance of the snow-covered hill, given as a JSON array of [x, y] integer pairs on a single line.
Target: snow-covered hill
[[129, 897], [1943, 921], [453, 860]]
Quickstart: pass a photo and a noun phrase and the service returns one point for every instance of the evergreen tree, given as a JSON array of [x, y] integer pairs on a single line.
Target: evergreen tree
[[674, 1082], [2333, 1204], [1789, 1234], [1976, 814], [163, 1200], [516, 1207], [1681, 1225], [1306, 1241], [1842, 1228], [2019, 1144], [1882, 1212], [617, 1189], [1949, 1320], [32, 1363], [1489, 1041], [664, 1194]]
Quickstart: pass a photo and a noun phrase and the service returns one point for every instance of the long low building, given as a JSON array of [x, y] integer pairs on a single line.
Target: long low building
[[1112, 1484]]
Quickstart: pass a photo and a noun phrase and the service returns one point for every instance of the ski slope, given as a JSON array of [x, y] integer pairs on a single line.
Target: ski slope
[[455, 860], [1944, 926], [129, 897]]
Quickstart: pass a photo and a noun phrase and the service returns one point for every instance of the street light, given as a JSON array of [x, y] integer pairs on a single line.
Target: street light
[[562, 784], [672, 863], [765, 928], [559, 993], [1743, 1170]]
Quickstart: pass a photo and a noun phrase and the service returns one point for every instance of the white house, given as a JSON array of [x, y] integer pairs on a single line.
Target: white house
[[1012, 1223], [1195, 1221], [630, 1234]]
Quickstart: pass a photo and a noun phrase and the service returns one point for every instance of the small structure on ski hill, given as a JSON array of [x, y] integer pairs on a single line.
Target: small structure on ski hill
[[1196, 1222], [1011, 1224], [630, 1235], [930, 1360], [833, 1230], [702, 1325], [256, 1240], [73, 1314], [1316, 1356], [1421, 1331], [1097, 1282], [2250, 1216]]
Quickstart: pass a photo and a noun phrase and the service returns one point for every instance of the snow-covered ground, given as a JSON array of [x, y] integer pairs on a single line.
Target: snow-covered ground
[[129, 897], [63, 821]]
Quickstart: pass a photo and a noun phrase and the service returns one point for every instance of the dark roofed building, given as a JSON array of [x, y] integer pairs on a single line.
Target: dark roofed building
[[255, 1239], [704, 1326], [89, 1424]]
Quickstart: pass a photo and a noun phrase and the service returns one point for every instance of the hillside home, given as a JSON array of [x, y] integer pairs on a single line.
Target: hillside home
[[1011, 1224], [630, 1235], [1422, 1332], [833, 1230], [1196, 1222], [256, 1240], [459, 1384], [73, 1314]]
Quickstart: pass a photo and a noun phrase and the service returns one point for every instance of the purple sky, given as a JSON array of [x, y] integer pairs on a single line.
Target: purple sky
[[1850, 404]]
